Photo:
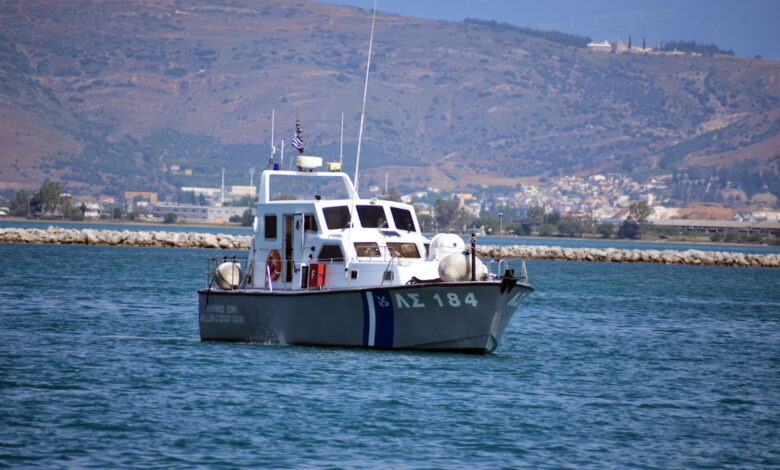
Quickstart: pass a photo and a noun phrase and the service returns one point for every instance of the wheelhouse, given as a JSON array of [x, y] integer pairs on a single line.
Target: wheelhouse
[[313, 231]]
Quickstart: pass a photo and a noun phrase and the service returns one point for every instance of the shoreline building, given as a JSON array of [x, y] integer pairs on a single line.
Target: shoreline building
[[192, 213]]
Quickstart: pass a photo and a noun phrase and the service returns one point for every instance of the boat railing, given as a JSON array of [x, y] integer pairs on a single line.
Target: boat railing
[[495, 267], [500, 268]]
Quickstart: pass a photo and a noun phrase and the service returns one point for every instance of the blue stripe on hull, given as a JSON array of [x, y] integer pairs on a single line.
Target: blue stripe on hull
[[378, 319], [366, 318], [385, 319]]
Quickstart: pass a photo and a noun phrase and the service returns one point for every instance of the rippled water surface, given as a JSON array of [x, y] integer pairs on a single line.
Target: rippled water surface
[[604, 366]]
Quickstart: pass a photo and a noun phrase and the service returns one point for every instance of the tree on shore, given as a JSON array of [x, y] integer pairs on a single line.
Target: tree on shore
[[628, 229], [547, 230], [640, 211], [20, 203], [605, 229], [49, 197], [447, 214], [535, 216], [570, 227], [247, 218]]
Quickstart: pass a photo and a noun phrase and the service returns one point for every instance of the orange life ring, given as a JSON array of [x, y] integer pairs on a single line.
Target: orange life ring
[[274, 263]]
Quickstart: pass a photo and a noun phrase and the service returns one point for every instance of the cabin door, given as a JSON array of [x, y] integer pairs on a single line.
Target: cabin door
[[293, 243]]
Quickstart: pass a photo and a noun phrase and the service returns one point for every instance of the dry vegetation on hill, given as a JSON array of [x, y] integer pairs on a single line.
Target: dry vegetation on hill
[[105, 95]]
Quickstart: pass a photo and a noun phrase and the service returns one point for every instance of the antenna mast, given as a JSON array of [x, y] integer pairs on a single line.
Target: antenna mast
[[273, 147], [282, 166], [365, 92], [348, 259], [341, 144]]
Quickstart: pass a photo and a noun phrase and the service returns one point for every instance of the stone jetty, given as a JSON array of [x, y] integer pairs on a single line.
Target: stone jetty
[[55, 235], [615, 255], [65, 236]]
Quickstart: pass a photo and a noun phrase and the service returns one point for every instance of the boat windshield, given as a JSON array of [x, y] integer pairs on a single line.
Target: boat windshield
[[403, 219], [372, 216], [307, 187], [336, 217]]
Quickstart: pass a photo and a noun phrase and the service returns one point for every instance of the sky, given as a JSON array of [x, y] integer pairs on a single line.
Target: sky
[[748, 27]]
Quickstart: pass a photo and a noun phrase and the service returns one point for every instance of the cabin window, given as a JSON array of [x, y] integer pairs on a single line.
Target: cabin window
[[336, 217], [330, 252], [403, 250], [372, 216], [403, 219], [310, 222], [367, 249], [270, 227]]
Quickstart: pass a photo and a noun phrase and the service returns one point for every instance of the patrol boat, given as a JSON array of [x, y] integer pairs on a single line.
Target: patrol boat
[[327, 268]]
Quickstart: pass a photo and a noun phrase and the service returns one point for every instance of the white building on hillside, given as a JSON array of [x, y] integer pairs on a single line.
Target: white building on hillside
[[604, 46]]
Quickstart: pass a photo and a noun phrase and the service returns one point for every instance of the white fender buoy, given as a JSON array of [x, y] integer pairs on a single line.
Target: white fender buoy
[[228, 275], [445, 244], [457, 267]]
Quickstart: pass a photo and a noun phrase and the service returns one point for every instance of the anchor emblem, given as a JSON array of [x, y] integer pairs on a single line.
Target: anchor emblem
[[382, 301]]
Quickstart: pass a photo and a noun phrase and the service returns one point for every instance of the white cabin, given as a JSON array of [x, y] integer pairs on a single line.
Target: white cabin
[[312, 231]]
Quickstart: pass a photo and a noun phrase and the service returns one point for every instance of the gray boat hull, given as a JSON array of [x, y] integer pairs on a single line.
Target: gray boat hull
[[463, 317]]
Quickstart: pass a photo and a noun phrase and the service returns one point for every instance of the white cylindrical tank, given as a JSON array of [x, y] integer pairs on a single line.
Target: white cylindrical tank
[[308, 162], [457, 267], [445, 244]]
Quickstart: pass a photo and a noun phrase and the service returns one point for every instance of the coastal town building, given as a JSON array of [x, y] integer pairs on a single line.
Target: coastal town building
[[603, 46], [92, 207], [191, 213], [147, 195], [239, 191], [716, 226], [209, 193]]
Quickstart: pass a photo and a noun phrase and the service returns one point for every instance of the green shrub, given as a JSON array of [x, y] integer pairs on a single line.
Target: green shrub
[[247, 218], [731, 236], [605, 229], [546, 230], [628, 229]]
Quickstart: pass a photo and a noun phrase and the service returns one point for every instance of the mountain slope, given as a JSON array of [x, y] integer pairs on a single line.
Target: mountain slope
[[107, 95]]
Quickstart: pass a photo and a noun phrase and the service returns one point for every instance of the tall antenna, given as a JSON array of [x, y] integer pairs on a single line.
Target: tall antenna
[[353, 206], [365, 92], [273, 147], [341, 145], [282, 165]]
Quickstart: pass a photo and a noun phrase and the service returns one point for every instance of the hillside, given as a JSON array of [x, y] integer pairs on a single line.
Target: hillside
[[106, 96]]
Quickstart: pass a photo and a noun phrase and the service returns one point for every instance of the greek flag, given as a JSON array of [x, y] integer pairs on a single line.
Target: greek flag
[[297, 142]]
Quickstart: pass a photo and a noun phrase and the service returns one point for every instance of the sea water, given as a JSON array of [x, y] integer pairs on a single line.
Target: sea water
[[604, 366]]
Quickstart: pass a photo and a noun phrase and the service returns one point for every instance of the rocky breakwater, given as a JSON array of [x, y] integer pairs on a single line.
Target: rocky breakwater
[[614, 255], [64, 236]]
